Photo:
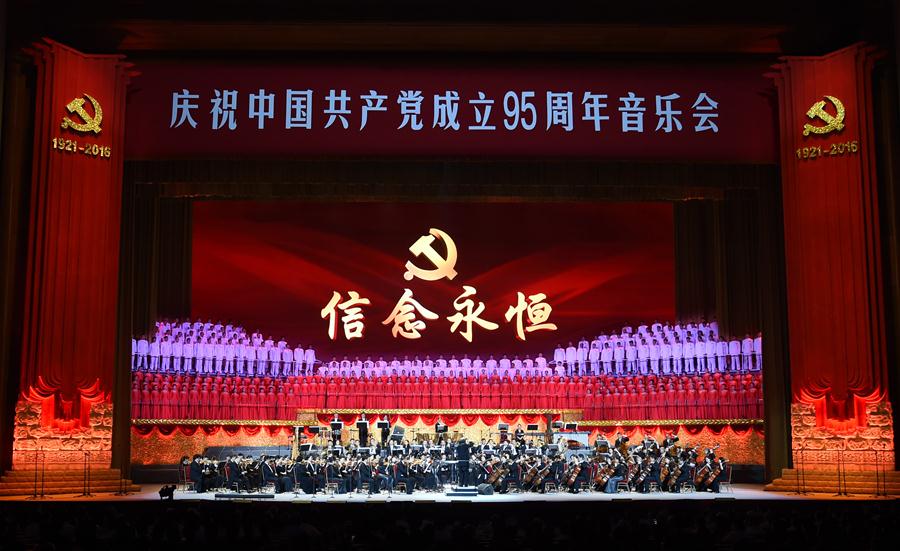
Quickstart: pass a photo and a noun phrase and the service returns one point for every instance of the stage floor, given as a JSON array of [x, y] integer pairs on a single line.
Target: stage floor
[[747, 492]]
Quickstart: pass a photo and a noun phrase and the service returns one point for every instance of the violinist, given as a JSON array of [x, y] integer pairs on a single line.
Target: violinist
[[196, 473]]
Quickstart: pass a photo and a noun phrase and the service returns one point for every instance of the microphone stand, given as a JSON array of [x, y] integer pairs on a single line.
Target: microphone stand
[[87, 476]]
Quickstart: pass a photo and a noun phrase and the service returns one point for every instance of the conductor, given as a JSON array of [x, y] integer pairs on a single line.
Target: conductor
[[385, 431], [463, 451], [363, 425]]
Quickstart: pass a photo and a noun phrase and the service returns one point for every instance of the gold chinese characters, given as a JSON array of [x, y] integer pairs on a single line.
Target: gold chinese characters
[[407, 319]]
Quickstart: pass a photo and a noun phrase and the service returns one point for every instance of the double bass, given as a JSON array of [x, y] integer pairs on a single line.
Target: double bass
[[572, 475], [496, 477], [604, 473]]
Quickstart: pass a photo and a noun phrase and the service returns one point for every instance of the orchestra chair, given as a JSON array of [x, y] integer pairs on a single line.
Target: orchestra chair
[[725, 485], [622, 486], [268, 488], [653, 487], [331, 488], [689, 486], [550, 487], [187, 483], [234, 486], [361, 486], [513, 486], [583, 487], [399, 485]]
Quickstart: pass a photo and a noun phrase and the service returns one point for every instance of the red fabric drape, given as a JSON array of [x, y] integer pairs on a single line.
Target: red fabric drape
[[831, 235], [490, 419], [469, 420], [69, 329]]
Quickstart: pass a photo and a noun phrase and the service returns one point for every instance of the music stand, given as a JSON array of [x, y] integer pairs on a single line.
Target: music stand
[[532, 427], [337, 426], [360, 425], [364, 451], [557, 425], [441, 428], [383, 425], [503, 427], [553, 449], [530, 451], [571, 426], [314, 430], [397, 435]]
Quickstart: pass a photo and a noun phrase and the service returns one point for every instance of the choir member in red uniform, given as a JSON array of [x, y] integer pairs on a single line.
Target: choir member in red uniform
[[225, 411], [136, 399], [194, 402], [154, 402], [204, 402], [495, 397]]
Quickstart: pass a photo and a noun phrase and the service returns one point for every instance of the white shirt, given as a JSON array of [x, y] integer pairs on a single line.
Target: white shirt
[[747, 346]]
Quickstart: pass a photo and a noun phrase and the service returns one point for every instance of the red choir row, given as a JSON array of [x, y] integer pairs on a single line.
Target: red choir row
[[708, 396]]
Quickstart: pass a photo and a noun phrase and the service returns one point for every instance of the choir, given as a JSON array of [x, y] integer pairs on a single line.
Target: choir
[[205, 379]]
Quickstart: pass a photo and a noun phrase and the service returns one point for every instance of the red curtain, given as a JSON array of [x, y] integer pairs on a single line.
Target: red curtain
[[70, 312], [831, 234]]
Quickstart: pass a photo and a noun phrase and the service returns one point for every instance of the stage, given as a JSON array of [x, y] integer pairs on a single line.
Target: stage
[[739, 492]]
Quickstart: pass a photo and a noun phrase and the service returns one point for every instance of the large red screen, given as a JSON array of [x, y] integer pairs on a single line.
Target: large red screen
[[275, 265]]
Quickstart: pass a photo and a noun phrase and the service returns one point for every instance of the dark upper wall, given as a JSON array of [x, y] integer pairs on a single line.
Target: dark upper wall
[[768, 27]]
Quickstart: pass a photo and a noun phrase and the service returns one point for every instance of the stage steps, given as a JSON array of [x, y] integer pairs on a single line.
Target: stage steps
[[826, 482], [462, 491], [20, 482]]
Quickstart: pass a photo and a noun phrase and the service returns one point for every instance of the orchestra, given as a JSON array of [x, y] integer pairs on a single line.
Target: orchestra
[[516, 465]]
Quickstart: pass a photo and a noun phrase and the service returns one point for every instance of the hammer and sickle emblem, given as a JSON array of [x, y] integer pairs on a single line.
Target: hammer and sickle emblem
[[832, 123], [443, 266], [91, 124]]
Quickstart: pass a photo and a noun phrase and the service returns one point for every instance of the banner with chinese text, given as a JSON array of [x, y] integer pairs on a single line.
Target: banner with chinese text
[[710, 112]]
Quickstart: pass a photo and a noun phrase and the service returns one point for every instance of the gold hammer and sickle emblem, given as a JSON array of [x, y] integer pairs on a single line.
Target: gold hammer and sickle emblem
[[443, 265], [832, 123], [91, 124]]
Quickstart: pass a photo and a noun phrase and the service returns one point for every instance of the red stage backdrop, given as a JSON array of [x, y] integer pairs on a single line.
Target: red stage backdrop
[[720, 112], [836, 322], [70, 314], [275, 266]]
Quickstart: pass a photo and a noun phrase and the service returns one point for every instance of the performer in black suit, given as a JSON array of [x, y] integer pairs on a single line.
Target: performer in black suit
[[333, 474], [235, 476], [463, 452], [197, 474], [268, 474], [364, 431], [305, 474], [385, 432], [403, 475], [520, 434]]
